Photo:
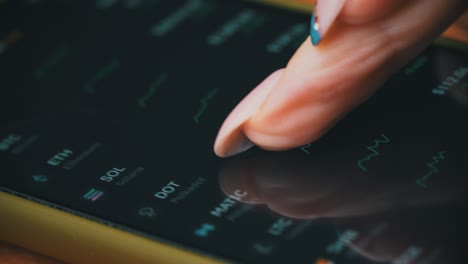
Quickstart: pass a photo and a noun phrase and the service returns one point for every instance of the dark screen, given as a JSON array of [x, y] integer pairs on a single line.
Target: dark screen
[[110, 110]]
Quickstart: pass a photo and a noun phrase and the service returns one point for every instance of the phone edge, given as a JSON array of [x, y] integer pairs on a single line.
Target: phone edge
[[75, 239]]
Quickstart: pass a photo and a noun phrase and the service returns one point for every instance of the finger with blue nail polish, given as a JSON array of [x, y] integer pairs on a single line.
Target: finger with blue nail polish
[[326, 12]]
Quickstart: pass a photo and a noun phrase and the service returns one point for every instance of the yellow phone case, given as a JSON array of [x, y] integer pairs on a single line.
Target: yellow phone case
[[78, 240]]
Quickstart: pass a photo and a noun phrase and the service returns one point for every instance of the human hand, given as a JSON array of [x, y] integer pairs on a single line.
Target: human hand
[[363, 42]]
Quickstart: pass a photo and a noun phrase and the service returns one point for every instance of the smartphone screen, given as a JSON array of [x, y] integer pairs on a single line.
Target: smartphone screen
[[110, 110]]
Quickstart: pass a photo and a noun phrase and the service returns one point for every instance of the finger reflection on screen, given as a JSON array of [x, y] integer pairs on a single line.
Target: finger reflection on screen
[[385, 219]]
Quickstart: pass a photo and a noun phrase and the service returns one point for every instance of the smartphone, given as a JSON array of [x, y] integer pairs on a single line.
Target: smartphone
[[110, 110]]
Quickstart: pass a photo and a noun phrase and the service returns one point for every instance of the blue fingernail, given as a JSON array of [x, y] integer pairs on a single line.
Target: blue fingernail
[[314, 26]]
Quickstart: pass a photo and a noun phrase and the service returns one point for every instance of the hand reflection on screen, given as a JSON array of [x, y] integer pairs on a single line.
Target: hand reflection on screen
[[396, 219]]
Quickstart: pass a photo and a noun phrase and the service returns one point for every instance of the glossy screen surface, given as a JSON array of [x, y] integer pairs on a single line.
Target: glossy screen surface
[[110, 110]]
